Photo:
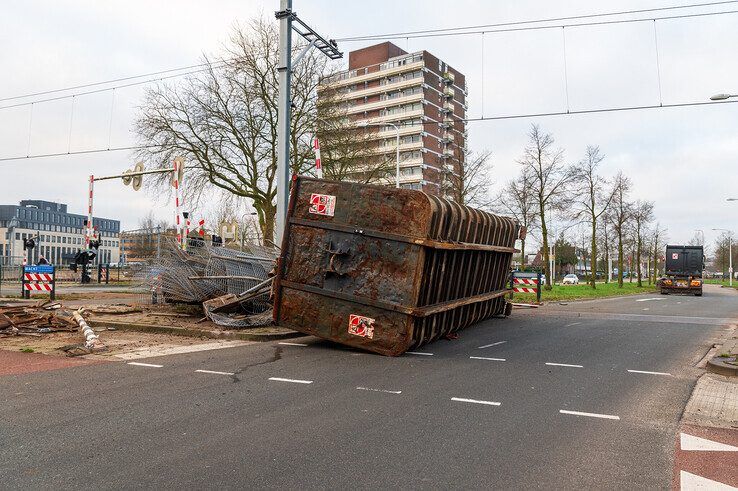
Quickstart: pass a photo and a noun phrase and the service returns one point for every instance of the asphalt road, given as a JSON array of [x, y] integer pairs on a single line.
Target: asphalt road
[[481, 411]]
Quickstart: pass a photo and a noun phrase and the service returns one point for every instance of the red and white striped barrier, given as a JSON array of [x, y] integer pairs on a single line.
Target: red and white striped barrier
[[318, 164], [201, 230], [524, 289], [38, 287], [177, 213], [38, 277]]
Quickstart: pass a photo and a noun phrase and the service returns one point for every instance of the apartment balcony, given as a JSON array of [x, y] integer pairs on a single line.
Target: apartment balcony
[[449, 92], [343, 79], [404, 147], [393, 117], [448, 77], [391, 133], [373, 106], [447, 138], [381, 89]]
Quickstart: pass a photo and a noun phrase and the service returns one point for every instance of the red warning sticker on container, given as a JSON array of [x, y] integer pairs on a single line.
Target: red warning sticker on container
[[361, 326], [675, 255], [322, 204]]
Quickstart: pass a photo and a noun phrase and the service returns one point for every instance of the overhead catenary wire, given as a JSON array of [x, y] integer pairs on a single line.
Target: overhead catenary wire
[[467, 120], [369, 37], [541, 28]]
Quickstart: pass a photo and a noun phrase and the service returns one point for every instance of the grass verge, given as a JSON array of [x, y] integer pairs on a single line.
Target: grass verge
[[584, 291]]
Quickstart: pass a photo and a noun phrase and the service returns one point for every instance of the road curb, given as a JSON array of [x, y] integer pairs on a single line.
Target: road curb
[[195, 333], [725, 365]]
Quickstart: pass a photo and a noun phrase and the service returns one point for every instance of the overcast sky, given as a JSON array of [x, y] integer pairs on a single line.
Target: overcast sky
[[683, 159]]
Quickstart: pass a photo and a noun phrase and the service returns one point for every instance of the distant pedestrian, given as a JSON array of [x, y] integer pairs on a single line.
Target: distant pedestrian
[[42, 260]]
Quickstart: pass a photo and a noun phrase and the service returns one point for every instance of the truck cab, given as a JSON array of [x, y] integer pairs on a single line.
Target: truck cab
[[683, 270]]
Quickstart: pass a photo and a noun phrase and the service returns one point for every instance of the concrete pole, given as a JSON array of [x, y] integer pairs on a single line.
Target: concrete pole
[[283, 116], [730, 260]]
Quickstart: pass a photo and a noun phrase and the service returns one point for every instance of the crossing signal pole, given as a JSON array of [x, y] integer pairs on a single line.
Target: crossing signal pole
[[288, 21]]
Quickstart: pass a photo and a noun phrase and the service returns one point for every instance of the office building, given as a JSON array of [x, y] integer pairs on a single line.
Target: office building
[[60, 234]]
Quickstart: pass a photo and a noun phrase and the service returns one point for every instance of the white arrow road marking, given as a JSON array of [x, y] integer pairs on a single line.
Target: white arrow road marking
[[493, 344], [144, 364], [690, 442], [214, 372], [690, 482], [294, 381], [591, 415], [474, 401]]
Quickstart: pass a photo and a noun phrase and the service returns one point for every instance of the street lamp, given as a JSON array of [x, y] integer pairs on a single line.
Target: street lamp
[[731, 199], [364, 124], [722, 97], [730, 254]]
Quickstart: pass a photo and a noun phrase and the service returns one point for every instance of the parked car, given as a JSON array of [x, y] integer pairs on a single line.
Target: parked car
[[570, 279]]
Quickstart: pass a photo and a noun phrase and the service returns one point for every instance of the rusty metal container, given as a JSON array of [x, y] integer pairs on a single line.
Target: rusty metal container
[[387, 269]]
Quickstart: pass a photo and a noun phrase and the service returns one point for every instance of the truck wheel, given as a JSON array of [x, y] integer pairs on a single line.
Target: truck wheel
[[663, 292], [698, 294]]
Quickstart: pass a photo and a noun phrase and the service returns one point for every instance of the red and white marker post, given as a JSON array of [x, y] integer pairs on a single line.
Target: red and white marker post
[[318, 164]]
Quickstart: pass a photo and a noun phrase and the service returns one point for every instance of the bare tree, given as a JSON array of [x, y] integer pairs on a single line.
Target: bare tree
[[472, 184], [605, 236], [642, 216], [223, 120], [348, 152], [594, 199], [658, 242], [517, 200], [548, 175], [621, 213]]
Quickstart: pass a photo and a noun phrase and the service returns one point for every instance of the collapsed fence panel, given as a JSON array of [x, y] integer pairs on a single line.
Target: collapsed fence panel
[[388, 270]]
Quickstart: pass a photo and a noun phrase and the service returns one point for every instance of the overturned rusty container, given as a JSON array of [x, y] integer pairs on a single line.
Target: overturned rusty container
[[387, 269]]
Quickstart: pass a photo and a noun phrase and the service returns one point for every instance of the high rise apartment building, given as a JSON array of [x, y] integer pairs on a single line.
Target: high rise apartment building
[[423, 96]]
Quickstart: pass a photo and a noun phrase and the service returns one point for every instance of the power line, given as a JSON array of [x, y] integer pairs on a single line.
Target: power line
[[94, 84], [534, 21], [467, 120], [97, 91]]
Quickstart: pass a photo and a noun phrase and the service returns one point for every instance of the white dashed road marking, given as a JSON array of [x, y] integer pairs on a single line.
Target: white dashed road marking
[[649, 373], [294, 381], [690, 481], [484, 358], [591, 415], [214, 372], [474, 401], [418, 353], [649, 299], [493, 344], [145, 364], [380, 390], [572, 324], [564, 365], [292, 344], [695, 443]]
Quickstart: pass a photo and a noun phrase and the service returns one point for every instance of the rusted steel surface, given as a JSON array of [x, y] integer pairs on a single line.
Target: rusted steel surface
[[388, 270]]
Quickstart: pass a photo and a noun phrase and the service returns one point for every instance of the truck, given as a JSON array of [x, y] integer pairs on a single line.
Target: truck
[[683, 270]]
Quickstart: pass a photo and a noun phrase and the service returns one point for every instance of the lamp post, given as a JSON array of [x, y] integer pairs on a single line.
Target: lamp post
[[364, 124], [730, 254], [722, 97]]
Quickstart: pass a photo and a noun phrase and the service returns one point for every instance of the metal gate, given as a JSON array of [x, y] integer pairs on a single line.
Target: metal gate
[[388, 270]]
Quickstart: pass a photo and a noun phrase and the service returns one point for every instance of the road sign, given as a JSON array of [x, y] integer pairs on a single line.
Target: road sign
[[39, 278]]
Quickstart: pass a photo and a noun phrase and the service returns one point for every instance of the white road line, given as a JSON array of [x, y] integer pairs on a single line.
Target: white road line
[[418, 353], [292, 344], [564, 365], [294, 381], [591, 415], [650, 373], [380, 390], [572, 324], [646, 309], [650, 299], [474, 401], [493, 344], [214, 372], [484, 358], [144, 364]]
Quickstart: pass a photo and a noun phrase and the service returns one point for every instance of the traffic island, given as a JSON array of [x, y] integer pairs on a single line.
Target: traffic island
[[725, 362]]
